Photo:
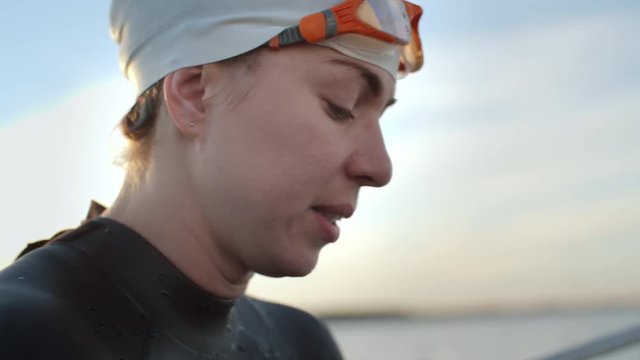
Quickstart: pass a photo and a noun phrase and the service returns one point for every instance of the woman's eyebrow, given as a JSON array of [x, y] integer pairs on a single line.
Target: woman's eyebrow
[[371, 80]]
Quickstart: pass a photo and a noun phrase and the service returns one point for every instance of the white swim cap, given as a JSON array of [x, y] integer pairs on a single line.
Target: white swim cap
[[157, 37]]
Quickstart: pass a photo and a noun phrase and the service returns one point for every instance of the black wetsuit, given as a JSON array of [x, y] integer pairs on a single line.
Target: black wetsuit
[[103, 292]]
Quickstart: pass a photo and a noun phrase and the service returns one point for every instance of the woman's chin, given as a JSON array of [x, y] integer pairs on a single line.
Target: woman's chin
[[291, 266]]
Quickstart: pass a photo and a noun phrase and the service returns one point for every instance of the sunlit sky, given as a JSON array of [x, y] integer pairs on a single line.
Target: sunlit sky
[[516, 155]]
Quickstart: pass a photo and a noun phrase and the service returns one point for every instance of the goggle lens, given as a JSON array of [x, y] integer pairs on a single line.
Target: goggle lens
[[411, 58], [389, 16], [398, 19], [392, 21]]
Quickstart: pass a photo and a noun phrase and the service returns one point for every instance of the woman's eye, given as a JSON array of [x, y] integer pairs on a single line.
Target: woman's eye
[[338, 112]]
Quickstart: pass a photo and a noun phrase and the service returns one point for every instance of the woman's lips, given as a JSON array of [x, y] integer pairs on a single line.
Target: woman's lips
[[327, 217]]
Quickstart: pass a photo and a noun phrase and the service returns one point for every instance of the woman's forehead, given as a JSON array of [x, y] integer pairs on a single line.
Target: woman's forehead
[[326, 65]]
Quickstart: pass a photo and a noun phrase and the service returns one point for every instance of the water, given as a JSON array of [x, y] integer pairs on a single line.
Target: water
[[513, 337]]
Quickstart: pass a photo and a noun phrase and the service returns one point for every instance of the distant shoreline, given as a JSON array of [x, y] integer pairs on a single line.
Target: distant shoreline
[[480, 311]]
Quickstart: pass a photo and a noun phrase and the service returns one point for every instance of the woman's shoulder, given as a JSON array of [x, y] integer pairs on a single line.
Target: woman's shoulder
[[46, 272], [52, 305], [35, 321]]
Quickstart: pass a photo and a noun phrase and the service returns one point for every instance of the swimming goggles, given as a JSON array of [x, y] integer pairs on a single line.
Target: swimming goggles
[[392, 21]]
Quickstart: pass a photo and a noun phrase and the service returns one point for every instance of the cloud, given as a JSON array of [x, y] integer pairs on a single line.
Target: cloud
[[55, 162]]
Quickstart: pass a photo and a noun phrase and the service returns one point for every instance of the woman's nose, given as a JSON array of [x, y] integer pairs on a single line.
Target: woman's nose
[[369, 163]]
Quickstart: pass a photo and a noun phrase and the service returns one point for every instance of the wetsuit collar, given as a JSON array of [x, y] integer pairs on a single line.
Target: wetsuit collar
[[153, 283]]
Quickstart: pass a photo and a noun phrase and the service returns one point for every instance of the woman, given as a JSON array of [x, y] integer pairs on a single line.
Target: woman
[[248, 144]]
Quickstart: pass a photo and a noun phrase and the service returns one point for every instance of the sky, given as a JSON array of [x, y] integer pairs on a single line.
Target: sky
[[516, 156]]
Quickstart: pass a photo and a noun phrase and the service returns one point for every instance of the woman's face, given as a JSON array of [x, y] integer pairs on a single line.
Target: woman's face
[[288, 145]]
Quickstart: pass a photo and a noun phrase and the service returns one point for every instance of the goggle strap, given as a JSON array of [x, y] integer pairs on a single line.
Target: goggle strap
[[290, 36], [331, 22]]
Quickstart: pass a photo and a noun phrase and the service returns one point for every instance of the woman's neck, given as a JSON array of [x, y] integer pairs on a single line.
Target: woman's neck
[[176, 228]]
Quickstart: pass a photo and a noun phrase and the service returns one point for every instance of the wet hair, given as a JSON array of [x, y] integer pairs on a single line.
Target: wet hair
[[138, 125]]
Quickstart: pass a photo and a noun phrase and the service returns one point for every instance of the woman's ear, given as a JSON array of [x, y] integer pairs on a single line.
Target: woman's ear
[[183, 95]]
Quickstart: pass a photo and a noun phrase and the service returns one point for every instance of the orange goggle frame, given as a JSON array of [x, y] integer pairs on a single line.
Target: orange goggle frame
[[391, 21]]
